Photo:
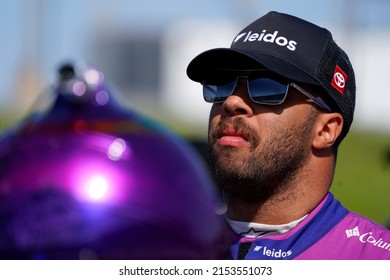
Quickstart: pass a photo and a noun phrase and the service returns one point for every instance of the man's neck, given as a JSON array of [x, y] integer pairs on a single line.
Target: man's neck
[[279, 209]]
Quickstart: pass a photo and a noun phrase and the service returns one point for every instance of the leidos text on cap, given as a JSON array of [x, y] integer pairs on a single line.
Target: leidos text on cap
[[268, 38]]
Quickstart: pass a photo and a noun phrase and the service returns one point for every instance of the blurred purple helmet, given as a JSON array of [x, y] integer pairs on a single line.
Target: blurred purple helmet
[[88, 178]]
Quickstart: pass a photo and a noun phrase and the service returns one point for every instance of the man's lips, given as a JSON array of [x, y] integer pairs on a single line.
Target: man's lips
[[231, 137]]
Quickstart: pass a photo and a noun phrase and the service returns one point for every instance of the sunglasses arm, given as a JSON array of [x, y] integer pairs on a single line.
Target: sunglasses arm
[[315, 99]]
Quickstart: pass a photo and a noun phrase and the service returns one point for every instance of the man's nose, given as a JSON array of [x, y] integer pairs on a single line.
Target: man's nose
[[239, 102]]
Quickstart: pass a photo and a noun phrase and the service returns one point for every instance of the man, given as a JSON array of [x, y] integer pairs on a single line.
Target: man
[[284, 98]]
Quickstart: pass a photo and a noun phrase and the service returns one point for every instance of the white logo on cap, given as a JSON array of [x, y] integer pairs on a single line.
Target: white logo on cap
[[339, 79], [267, 38], [239, 36]]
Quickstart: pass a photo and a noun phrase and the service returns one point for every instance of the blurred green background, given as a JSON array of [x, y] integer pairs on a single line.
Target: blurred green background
[[362, 179]]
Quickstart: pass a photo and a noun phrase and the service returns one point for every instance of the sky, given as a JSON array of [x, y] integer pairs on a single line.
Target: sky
[[38, 35], [47, 32]]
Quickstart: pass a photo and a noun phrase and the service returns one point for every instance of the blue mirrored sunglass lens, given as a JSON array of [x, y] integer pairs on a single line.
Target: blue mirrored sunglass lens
[[217, 93], [261, 90], [267, 91]]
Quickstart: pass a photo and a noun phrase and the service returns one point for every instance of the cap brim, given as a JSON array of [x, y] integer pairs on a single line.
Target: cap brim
[[226, 58]]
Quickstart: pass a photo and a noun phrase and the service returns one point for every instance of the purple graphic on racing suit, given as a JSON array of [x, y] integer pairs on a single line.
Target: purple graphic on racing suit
[[329, 232]]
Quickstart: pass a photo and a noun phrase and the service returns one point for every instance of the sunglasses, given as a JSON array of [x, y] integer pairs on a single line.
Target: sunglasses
[[263, 87]]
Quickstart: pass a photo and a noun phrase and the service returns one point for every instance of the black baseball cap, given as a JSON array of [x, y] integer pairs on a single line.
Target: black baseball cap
[[293, 48]]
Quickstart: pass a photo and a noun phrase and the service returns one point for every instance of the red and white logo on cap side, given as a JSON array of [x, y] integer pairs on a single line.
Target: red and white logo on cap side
[[339, 79]]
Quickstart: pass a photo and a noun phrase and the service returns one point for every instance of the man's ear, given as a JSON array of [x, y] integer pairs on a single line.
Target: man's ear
[[327, 128]]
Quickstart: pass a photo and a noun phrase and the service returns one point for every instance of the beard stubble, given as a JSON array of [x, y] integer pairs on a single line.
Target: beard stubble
[[270, 165]]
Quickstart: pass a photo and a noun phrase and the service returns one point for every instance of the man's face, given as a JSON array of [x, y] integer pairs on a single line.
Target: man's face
[[256, 149]]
